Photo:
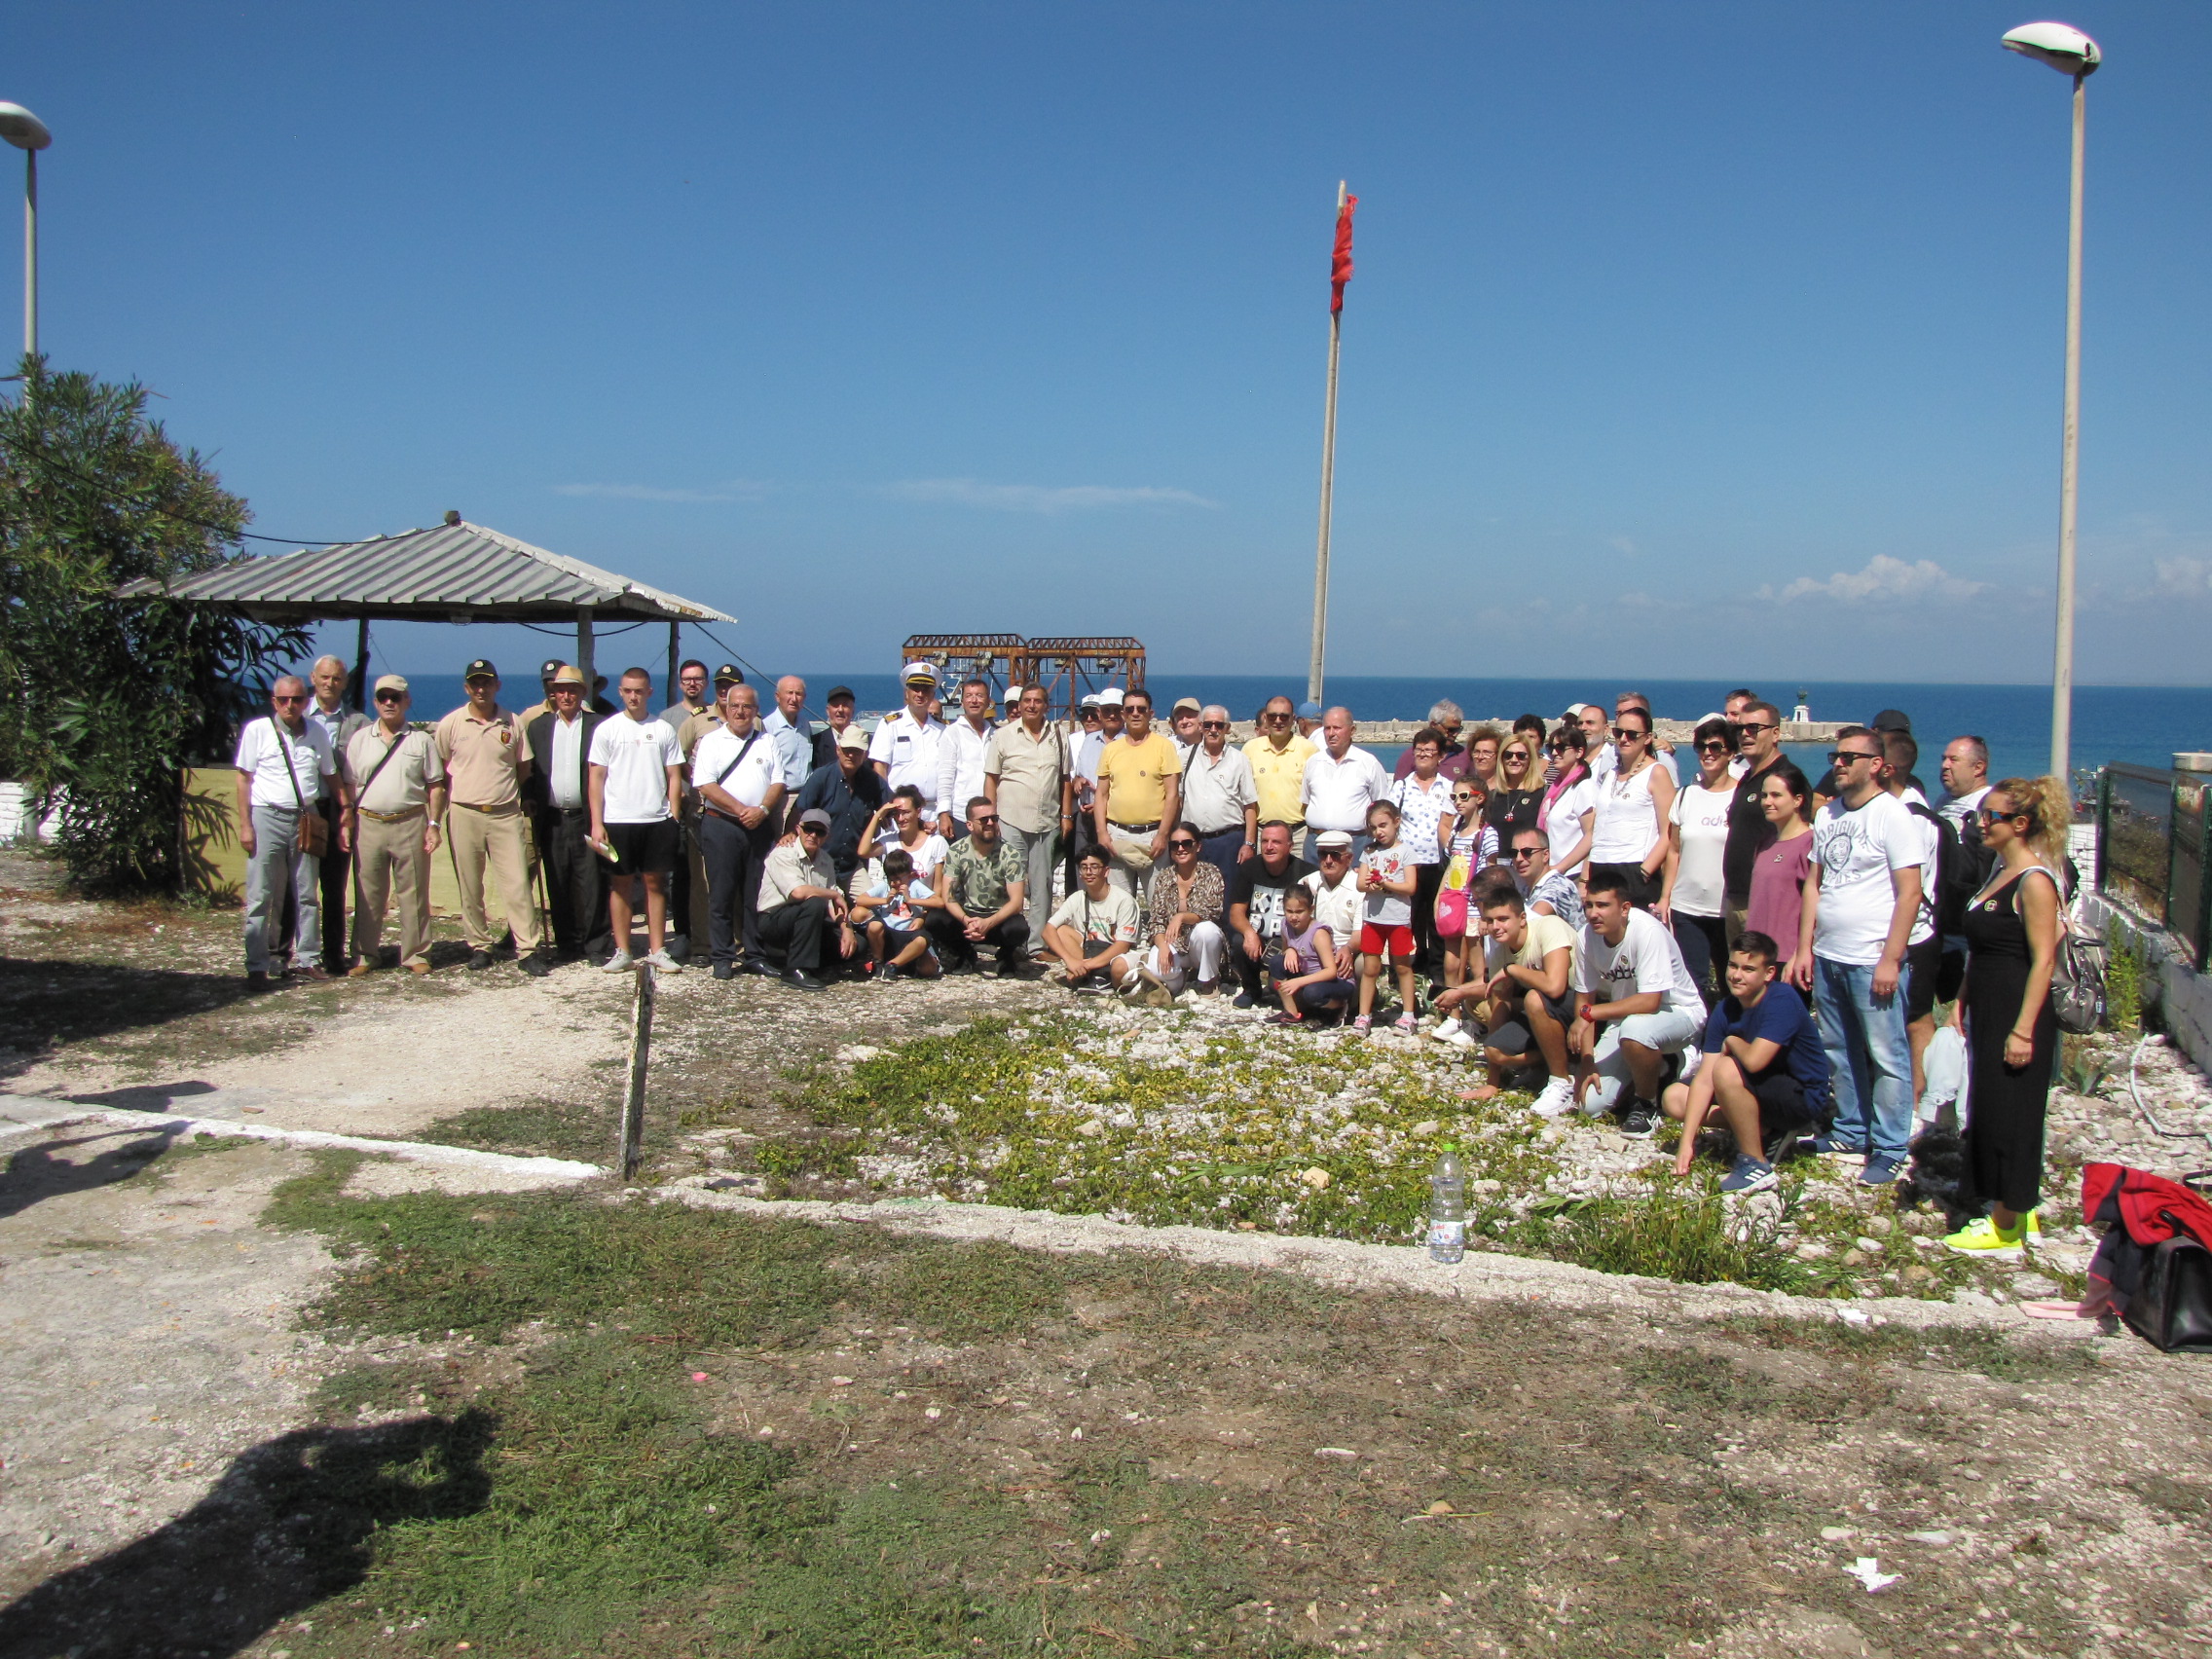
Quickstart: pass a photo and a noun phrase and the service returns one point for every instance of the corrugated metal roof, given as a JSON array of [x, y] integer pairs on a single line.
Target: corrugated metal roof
[[427, 575]]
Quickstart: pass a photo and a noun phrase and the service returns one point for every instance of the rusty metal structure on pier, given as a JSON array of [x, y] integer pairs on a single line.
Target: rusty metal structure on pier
[[1067, 666]]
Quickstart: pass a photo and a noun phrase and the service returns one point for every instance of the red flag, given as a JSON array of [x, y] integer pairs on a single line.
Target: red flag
[[1339, 268]]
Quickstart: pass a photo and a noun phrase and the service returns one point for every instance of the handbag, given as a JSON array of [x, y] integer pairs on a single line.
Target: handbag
[[2171, 1309], [313, 833]]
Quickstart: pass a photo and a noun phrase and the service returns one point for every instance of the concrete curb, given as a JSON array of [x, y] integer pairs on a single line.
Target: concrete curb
[[25, 1112], [1478, 1275]]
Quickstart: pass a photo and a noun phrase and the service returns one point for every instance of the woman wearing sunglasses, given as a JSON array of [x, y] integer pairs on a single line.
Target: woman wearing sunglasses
[[1519, 793], [1423, 798], [1187, 904], [1629, 833], [1697, 838], [2011, 928]]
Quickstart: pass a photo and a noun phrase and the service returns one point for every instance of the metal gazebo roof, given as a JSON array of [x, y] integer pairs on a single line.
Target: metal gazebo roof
[[450, 573]]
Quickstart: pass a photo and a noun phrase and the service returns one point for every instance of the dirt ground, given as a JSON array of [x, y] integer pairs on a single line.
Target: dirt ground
[[1162, 1448]]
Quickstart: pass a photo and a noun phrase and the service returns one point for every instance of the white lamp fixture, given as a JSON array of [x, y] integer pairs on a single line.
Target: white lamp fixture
[[2070, 52], [28, 134]]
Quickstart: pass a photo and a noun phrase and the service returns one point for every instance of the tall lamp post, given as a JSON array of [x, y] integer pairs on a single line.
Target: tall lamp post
[[28, 134], [2070, 52]]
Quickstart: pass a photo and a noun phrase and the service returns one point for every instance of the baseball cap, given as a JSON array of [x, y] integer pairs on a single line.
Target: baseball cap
[[1190, 703], [919, 672], [1334, 839], [480, 669], [852, 737], [391, 683], [840, 694], [729, 674], [1310, 711], [814, 817], [563, 674], [1110, 698], [1892, 719], [547, 669]]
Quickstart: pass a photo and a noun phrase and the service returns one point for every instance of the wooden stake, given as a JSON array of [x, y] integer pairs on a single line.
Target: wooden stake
[[641, 1056], [1327, 492]]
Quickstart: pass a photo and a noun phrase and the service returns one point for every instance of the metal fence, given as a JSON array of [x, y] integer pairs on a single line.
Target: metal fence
[[2154, 841]]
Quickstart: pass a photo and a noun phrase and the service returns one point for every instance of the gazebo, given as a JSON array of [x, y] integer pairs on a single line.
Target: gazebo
[[454, 572]]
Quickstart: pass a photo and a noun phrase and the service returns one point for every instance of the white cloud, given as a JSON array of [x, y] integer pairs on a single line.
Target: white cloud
[[737, 490], [1038, 498], [1882, 580], [2185, 576]]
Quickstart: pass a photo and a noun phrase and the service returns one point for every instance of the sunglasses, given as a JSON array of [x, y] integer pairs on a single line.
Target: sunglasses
[[390, 696], [1845, 756]]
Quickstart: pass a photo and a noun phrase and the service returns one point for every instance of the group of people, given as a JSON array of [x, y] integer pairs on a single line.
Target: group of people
[[1746, 945]]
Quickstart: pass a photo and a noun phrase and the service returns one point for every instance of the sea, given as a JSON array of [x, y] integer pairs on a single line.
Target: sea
[[2143, 724]]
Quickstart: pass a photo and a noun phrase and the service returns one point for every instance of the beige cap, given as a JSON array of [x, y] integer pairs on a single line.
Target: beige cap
[[391, 683]]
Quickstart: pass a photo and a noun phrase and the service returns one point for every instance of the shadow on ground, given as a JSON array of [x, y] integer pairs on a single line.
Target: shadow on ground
[[287, 1526]]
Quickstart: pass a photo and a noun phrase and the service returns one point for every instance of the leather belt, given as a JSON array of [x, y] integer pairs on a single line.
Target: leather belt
[[1132, 829], [393, 817]]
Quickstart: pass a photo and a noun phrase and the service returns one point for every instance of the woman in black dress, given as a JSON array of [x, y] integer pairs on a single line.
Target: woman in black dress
[[2012, 929]]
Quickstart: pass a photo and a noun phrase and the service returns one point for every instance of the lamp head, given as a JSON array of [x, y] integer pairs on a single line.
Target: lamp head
[[22, 128], [2062, 46]]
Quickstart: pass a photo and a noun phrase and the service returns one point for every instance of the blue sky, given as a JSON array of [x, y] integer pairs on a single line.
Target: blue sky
[[1683, 333]]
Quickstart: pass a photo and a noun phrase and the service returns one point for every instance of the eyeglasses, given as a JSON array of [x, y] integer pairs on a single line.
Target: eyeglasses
[[1213, 726], [1845, 756], [1749, 728], [390, 696], [1520, 853], [1183, 846]]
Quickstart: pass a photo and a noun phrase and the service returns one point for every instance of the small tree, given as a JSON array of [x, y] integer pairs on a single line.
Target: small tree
[[102, 700]]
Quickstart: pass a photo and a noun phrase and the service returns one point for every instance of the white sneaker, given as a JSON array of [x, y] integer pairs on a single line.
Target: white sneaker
[[1554, 1100], [663, 962], [621, 962]]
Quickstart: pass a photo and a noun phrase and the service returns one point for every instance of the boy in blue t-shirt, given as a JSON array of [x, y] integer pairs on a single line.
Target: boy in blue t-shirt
[[1764, 1067]]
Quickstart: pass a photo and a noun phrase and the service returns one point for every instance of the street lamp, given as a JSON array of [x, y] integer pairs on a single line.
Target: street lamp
[[28, 134], [2070, 52]]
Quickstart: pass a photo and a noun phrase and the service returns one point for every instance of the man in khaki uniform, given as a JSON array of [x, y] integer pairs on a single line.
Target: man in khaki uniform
[[486, 761], [400, 809]]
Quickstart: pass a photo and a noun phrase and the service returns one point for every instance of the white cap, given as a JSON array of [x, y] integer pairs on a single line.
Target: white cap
[[919, 671], [1110, 698]]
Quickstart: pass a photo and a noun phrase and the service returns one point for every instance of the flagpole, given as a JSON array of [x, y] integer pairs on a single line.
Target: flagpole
[[1328, 493]]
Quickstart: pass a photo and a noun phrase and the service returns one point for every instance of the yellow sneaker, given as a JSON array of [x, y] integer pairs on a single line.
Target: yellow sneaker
[[1982, 1237]]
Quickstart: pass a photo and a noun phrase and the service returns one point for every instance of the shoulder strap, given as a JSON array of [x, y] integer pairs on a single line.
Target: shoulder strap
[[750, 740], [291, 771]]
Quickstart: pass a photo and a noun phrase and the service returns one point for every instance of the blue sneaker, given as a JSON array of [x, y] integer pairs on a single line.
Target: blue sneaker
[[1748, 1175], [1880, 1170]]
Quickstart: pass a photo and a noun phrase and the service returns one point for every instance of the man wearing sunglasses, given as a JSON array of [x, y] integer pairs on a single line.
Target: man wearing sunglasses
[[1220, 795], [283, 761], [398, 815], [1862, 903], [1757, 727], [984, 882]]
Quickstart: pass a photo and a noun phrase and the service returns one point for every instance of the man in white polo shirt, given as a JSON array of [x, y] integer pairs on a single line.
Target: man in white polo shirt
[[637, 789], [1340, 783], [905, 749]]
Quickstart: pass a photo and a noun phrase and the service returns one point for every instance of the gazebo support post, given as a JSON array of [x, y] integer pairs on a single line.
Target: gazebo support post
[[361, 668], [583, 651]]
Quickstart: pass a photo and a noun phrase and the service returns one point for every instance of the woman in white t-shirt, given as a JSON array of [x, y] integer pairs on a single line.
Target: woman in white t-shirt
[[1697, 835], [1629, 828]]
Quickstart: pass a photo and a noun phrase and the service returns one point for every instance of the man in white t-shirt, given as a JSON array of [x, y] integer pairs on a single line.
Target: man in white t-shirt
[[637, 789], [1861, 906], [1635, 1004], [283, 762]]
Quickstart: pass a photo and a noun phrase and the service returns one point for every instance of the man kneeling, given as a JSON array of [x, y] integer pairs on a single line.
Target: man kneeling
[[1634, 1004], [1764, 1065], [1527, 959]]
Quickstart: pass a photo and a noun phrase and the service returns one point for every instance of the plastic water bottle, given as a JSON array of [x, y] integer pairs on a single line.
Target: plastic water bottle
[[1448, 1207]]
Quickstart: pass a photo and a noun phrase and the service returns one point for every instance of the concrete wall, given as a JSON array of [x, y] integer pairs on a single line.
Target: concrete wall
[[2183, 997]]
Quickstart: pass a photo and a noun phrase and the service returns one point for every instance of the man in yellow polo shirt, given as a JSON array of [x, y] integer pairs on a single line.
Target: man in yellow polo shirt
[[1139, 798], [1278, 757]]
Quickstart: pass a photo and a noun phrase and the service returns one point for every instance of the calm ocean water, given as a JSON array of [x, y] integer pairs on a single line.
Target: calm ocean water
[[2111, 722]]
